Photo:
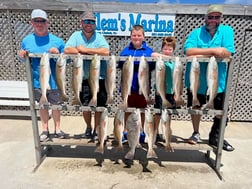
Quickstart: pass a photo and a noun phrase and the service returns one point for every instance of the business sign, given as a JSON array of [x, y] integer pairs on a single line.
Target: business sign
[[120, 24]]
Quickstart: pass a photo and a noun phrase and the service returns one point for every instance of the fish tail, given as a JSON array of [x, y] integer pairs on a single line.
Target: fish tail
[[151, 154], [76, 101], [43, 100], [64, 98], [100, 149], [129, 155], [169, 148], [93, 102]]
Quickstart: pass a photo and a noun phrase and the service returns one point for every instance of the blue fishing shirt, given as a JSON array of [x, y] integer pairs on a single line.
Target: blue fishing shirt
[[143, 51], [201, 38], [96, 41], [41, 44]]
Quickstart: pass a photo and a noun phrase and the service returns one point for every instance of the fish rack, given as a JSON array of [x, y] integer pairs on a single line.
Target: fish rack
[[39, 146]]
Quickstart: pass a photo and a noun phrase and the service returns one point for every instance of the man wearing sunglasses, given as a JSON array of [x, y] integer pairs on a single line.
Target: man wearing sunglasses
[[41, 41], [88, 41], [211, 39]]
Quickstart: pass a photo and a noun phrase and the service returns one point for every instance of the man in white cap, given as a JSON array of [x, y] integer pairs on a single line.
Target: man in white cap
[[211, 39], [40, 41], [88, 41]]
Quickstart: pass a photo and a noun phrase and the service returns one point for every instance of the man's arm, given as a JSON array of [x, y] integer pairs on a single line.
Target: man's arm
[[219, 52], [100, 51]]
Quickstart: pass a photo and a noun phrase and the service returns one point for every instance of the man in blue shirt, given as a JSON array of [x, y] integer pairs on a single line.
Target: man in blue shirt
[[39, 42], [88, 41], [212, 39]]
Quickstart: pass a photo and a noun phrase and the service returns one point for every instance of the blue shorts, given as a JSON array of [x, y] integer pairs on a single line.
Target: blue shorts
[[53, 96]]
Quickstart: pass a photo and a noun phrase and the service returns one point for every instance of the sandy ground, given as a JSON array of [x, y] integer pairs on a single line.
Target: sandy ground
[[76, 167]]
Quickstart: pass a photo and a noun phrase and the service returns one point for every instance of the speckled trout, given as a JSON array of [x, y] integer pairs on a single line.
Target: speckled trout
[[143, 78], [118, 128], [194, 81], [102, 131], [177, 80], [160, 82], [110, 82], [212, 82], [166, 126], [94, 74], [61, 76], [45, 72], [127, 77], [77, 79], [150, 133]]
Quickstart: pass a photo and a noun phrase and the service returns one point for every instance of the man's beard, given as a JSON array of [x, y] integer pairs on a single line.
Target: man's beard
[[212, 28]]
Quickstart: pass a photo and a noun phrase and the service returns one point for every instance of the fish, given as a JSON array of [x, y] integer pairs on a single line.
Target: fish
[[212, 82], [160, 81], [45, 72], [177, 83], [110, 81], [61, 76], [77, 79], [150, 133], [127, 77], [166, 126], [102, 131], [94, 74], [133, 125], [194, 81], [143, 78], [118, 128]]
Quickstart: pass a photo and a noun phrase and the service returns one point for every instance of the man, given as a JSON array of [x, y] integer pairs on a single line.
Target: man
[[88, 41], [212, 39], [39, 42]]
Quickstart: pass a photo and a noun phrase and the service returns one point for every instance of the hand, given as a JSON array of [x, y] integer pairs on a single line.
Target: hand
[[23, 53], [53, 50], [81, 49], [221, 52]]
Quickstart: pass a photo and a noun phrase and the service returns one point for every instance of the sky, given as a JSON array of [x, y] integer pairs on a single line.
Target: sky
[[237, 2]]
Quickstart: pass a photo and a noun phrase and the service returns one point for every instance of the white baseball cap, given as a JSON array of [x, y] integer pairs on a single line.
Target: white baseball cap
[[38, 13]]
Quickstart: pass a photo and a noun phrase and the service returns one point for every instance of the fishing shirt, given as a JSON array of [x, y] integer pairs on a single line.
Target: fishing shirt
[[201, 38], [41, 44], [143, 51], [96, 41], [169, 67]]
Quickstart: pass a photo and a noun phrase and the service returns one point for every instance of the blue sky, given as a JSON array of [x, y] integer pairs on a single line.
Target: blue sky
[[239, 2]]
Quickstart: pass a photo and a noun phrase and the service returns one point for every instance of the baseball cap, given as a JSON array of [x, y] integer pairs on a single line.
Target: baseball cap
[[38, 13], [214, 8], [88, 15]]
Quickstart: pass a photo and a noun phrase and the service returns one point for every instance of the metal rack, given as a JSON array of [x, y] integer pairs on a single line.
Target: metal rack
[[216, 164]]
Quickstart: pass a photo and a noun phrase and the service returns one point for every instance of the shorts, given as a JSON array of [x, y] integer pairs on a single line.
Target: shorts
[[53, 96], [158, 101], [86, 94], [137, 101], [202, 98], [218, 101]]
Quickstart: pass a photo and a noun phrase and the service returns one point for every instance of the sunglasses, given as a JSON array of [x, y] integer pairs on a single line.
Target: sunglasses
[[92, 22], [213, 17], [39, 21]]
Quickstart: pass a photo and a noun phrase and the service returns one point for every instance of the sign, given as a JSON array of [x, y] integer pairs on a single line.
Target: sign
[[120, 24]]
